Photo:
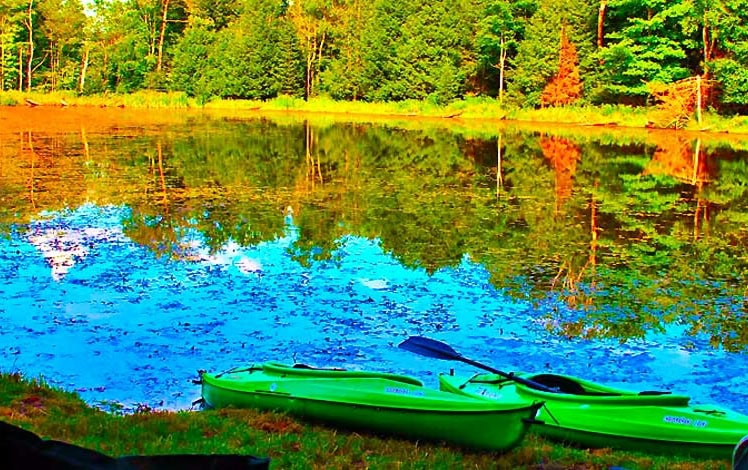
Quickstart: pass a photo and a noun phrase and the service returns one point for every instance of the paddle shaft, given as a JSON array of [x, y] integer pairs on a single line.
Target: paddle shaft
[[513, 377], [433, 348]]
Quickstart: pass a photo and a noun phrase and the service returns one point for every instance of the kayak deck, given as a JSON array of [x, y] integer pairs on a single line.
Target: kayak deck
[[380, 402], [598, 416]]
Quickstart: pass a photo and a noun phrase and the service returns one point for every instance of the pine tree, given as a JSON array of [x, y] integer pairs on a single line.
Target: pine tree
[[566, 87]]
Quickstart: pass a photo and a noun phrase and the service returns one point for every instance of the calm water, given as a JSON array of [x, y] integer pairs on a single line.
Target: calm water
[[139, 248]]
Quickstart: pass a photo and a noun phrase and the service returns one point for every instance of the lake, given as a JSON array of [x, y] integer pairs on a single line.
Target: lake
[[139, 246]]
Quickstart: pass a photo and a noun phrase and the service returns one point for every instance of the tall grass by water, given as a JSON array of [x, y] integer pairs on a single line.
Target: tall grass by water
[[468, 108]]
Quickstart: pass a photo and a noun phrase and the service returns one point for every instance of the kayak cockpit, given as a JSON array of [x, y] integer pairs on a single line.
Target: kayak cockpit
[[566, 387], [304, 370]]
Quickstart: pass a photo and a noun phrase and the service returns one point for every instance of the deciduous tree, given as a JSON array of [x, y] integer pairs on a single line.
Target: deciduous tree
[[63, 26], [11, 44]]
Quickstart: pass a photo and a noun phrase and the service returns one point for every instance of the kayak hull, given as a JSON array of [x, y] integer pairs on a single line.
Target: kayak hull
[[384, 403], [663, 424]]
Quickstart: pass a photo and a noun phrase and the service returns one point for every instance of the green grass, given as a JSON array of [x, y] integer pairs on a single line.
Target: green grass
[[470, 108], [291, 444]]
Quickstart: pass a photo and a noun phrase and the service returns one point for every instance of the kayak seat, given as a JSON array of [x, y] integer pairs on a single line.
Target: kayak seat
[[308, 367], [653, 392], [563, 384]]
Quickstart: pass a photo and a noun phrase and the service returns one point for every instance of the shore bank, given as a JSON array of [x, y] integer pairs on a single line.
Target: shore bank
[[291, 444], [471, 109]]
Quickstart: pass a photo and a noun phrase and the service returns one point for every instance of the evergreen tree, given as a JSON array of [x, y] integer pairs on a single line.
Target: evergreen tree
[[537, 57], [729, 21], [566, 87], [382, 65], [289, 72], [192, 61], [420, 51], [650, 46]]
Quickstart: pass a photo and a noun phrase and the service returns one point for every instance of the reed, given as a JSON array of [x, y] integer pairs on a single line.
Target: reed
[[470, 108]]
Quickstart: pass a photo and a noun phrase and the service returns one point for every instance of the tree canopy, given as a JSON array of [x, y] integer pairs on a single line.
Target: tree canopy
[[380, 50]]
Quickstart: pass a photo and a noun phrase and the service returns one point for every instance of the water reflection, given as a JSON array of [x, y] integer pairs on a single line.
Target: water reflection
[[154, 250]]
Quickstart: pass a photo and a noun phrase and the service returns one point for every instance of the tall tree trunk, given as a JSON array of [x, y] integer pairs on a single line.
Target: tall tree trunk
[[161, 36], [319, 57], [502, 67], [53, 64], [708, 39], [2, 65], [601, 23], [84, 69], [20, 69], [30, 25], [309, 72]]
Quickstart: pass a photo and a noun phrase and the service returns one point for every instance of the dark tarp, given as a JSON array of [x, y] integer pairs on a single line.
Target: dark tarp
[[24, 450]]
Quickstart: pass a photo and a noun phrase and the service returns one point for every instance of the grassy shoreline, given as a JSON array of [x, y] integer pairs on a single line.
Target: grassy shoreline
[[473, 108], [53, 413]]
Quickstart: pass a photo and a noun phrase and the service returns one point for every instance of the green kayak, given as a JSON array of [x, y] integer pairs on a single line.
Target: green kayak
[[588, 414], [378, 402]]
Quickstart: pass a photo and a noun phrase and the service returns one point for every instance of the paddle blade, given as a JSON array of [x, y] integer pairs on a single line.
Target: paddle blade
[[430, 348], [433, 348]]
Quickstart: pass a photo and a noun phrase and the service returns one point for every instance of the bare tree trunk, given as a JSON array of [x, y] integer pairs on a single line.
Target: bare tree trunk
[[29, 21], [309, 75], [20, 69], [84, 68], [708, 38], [53, 64], [502, 66], [319, 56], [601, 23], [161, 36], [2, 66]]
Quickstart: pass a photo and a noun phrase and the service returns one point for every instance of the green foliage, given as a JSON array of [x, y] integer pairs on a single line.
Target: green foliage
[[11, 28], [537, 56], [418, 51], [192, 62], [376, 51], [343, 78], [253, 58], [215, 14], [497, 33], [732, 77], [650, 46]]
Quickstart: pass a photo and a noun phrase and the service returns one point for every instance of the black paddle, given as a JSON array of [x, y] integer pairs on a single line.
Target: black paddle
[[433, 348]]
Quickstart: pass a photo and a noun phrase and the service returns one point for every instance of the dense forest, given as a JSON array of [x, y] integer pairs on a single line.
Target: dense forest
[[525, 52]]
